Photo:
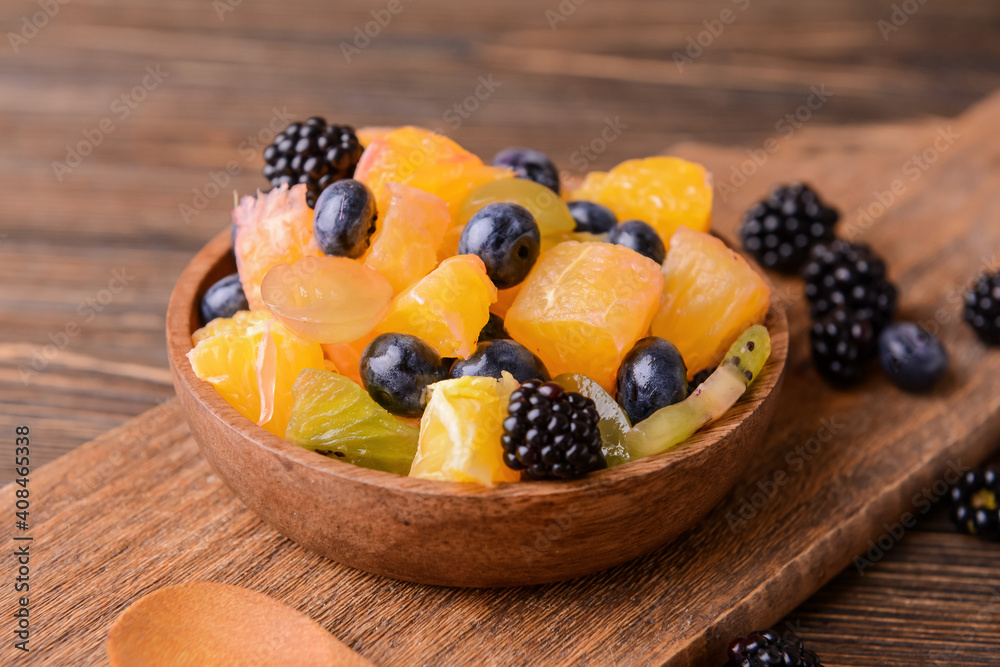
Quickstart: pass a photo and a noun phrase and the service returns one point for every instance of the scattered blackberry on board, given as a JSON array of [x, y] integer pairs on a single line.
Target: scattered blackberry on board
[[850, 276], [982, 308], [781, 230], [766, 649], [975, 501], [551, 433], [313, 153], [842, 345]]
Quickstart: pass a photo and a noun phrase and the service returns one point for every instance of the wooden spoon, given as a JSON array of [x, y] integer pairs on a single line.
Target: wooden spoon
[[206, 624]]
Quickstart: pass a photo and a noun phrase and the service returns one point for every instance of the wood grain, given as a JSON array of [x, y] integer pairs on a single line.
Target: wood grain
[[867, 455]]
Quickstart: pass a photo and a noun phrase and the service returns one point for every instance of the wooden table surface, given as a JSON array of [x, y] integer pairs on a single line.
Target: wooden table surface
[[119, 120]]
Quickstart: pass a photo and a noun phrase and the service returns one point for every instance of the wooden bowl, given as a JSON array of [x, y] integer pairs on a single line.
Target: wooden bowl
[[453, 534]]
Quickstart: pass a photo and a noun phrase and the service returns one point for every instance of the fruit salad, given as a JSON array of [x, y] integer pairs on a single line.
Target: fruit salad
[[402, 305]]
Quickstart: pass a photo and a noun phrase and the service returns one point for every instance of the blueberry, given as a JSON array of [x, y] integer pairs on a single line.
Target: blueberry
[[506, 237], [652, 376], [494, 356], [911, 357], [396, 369], [494, 329], [223, 299], [591, 217], [639, 236], [529, 164], [344, 220]]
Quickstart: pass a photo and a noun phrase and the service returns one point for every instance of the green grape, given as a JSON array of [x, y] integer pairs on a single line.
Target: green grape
[[613, 423]]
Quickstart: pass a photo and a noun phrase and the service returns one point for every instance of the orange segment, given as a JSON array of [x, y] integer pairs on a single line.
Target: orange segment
[[584, 306], [711, 295], [505, 299], [447, 308], [460, 432], [405, 248], [666, 192], [346, 357], [366, 135], [327, 299], [226, 355], [396, 156], [271, 229]]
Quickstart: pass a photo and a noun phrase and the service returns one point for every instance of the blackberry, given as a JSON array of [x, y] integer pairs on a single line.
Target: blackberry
[[982, 308], [781, 230], [766, 649], [313, 153], [842, 345], [551, 433], [851, 276], [975, 500]]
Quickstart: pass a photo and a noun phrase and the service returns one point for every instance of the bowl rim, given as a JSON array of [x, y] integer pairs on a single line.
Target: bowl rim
[[182, 315]]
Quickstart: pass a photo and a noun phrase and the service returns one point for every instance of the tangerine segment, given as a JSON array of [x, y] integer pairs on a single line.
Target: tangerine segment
[[346, 357], [666, 192], [272, 228], [453, 182], [505, 299], [336, 417], [710, 296], [447, 308], [584, 306], [327, 299], [366, 135], [460, 431], [226, 356], [405, 248], [397, 155]]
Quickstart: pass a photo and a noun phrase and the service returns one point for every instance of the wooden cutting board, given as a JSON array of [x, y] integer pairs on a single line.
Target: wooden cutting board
[[138, 508]]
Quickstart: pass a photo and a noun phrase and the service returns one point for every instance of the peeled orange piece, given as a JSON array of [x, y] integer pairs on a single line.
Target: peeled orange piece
[[666, 192], [405, 249], [711, 295], [447, 308], [423, 159], [327, 299], [346, 357], [505, 299], [583, 307], [272, 228], [366, 135], [226, 355], [460, 432]]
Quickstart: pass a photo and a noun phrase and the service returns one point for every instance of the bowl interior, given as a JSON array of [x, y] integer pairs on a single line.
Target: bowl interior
[[216, 261]]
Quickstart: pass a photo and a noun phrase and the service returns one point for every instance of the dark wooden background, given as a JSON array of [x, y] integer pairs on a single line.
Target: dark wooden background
[[78, 355]]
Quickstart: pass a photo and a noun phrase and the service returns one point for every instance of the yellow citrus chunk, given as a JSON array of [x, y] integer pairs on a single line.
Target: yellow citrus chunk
[[583, 307], [405, 248], [447, 308], [711, 295], [460, 432], [414, 156], [666, 192], [226, 356], [366, 135], [327, 299], [272, 228]]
